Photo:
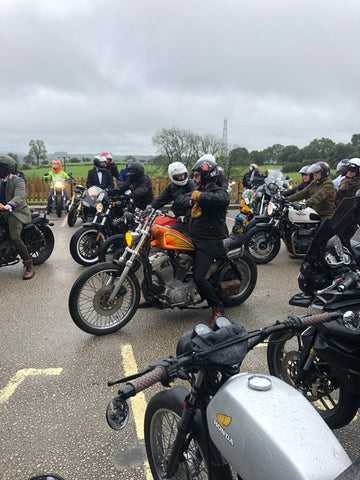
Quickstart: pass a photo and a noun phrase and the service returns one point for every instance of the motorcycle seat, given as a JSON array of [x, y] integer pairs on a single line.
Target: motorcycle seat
[[34, 214], [233, 242]]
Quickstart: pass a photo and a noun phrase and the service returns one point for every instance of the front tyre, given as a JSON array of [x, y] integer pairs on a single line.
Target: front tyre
[[88, 301], [334, 403], [161, 418], [84, 245], [247, 267], [59, 206], [39, 241], [72, 216], [262, 245], [112, 248]]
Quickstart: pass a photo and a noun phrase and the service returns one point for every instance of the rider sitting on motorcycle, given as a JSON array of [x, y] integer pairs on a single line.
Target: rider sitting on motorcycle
[[351, 183], [342, 169], [111, 166], [99, 176], [307, 179], [179, 184], [56, 175], [253, 178], [319, 194], [139, 184], [207, 228], [14, 208]]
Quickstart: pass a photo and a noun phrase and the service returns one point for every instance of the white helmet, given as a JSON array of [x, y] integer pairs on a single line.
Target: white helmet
[[175, 169], [354, 161], [208, 156]]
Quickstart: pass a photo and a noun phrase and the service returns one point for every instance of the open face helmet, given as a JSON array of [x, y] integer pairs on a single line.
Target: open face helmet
[[100, 162], [354, 165], [305, 171], [109, 158], [207, 169], [342, 166], [178, 173], [7, 166], [56, 166], [322, 167], [253, 168]]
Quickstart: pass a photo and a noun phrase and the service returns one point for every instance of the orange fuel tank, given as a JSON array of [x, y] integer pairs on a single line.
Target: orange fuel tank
[[169, 239]]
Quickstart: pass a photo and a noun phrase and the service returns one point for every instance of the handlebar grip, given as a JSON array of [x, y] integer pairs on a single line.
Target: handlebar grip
[[142, 383], [348, 281], [314, 319]]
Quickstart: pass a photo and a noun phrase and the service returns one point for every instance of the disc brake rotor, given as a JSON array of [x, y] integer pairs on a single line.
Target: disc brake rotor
[[315, 384], [100, 301]]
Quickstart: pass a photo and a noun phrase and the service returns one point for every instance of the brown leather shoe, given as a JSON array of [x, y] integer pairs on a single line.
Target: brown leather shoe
[[29, 270], [216, 312]]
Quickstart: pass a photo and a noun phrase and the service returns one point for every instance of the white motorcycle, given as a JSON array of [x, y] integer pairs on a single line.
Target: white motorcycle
[[254, 424]]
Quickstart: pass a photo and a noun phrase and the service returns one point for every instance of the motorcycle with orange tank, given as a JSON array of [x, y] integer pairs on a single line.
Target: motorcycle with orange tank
[[106, 296]]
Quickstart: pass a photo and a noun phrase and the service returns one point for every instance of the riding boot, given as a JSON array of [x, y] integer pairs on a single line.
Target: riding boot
[[216, 312], [29, 269]]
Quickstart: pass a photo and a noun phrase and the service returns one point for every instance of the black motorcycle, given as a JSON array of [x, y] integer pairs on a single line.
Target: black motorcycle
[[323, 362], [83, 204], [109, 220], [273, 184], [36, 235], [58, 200], [286, 221]]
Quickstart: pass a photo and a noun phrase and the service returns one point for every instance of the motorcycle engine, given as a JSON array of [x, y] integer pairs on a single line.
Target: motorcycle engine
[[171, 280], [8, 252], [302, 238]]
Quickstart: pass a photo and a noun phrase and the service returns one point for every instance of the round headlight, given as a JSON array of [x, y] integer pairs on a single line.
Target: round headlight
[[99, 207], [58, 184], [270, 208]]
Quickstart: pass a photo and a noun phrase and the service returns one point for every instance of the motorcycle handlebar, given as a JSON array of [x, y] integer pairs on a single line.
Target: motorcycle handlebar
[[158, 374], [349, 280], [318, 318]]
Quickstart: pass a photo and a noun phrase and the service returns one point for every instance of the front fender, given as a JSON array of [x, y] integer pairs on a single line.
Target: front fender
[[256, 220]]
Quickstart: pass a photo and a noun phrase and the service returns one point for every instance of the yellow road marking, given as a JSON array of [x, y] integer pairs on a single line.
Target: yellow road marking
[[20, 376], [138, 403]]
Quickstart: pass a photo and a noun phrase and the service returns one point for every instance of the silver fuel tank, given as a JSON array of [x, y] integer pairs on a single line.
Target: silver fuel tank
[[267, 430]]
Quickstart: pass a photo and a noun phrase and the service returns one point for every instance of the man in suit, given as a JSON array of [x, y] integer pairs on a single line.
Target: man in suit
[[99, 175], [14, 208]]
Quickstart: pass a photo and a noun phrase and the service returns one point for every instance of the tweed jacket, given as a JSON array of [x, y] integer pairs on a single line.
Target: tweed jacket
[[16, 197]]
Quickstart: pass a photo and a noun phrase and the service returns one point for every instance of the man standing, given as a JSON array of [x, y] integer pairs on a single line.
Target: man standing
[[14, 208]]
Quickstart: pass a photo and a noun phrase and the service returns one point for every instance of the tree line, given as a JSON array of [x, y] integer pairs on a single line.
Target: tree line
[[175, 144]]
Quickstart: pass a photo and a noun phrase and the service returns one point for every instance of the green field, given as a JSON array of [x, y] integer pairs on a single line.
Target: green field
[[79, 170]]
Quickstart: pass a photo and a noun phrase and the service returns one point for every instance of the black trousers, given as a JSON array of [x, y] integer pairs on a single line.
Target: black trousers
[[206, 251]]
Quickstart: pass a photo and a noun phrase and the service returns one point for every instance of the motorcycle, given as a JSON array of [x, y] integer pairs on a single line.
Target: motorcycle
[[105, 297], [59, 202], [109, 220], [83, 204], [255, 425], [286, 221], [323, 362], [36, 235], [273, 183]]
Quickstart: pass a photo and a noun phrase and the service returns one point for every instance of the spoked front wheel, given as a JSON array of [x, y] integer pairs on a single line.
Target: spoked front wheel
[[161, 418], [334, 402], [89, 303], [84, 245], [262, 245]]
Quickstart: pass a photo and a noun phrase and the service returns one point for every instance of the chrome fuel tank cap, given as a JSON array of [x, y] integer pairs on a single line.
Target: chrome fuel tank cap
[[259, 382]]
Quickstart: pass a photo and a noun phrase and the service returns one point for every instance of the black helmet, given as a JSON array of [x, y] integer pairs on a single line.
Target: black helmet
[[100, 162], [322, 167], [207, 168], [135, 170], [7, 165]]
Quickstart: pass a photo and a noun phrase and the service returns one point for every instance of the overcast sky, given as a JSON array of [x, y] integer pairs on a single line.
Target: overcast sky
[[94, 75]]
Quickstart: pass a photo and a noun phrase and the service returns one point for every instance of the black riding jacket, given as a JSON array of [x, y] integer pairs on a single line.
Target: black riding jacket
[[171, 194]]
